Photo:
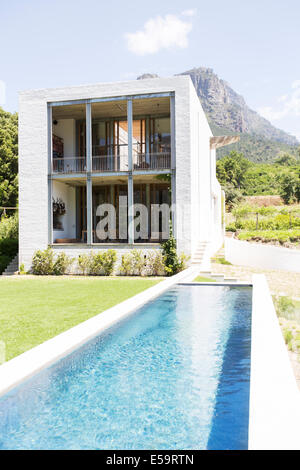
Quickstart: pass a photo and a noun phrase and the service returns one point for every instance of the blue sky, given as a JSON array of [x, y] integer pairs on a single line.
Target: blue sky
[[254, 45]]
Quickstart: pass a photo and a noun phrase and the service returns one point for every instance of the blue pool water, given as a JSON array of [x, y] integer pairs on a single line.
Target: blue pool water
[[175, 375]]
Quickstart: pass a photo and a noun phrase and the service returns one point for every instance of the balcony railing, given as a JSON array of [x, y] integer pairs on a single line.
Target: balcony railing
[[105, 163], [111, 163], [152, 161], [69, 165]]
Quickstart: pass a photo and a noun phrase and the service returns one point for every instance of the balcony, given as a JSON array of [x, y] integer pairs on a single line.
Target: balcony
[[113, 163], [152, 161]]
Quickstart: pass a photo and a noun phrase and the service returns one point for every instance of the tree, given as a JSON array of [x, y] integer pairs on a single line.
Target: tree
[[297, 188], [286, 159], [233, 196], [232, 169], [288, 188], [8, 158]]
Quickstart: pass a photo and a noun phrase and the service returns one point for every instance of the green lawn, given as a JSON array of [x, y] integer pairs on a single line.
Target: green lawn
[[33, 310], [204, 279]]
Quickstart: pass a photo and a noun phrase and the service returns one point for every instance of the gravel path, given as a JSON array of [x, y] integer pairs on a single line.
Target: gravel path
[[280, 282]]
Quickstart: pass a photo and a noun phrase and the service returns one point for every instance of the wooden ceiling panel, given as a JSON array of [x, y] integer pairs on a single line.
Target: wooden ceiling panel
[[109, 109]]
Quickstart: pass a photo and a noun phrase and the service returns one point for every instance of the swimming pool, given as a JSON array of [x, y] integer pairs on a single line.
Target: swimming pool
[[174, 375]]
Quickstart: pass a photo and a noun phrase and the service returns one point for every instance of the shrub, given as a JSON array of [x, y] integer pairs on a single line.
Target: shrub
[[133, 263], [138, 262], [96, 268], [173, 263], [231, 227], [288, 336], [284, 306], [22, 269], [9, 247], [62, 264], [4, 262], [84, 263], [43, 262], [102, 263], [170, 256], [8, 250], [9, 227], [127, 265], [109, 259], [155, 263], [183, 259], [233, 196]]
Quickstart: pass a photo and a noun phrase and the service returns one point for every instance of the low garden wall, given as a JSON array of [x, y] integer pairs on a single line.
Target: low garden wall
[[258, 255]]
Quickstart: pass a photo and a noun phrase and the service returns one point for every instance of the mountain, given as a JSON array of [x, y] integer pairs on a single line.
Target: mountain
[[228, 113], [227, 109]]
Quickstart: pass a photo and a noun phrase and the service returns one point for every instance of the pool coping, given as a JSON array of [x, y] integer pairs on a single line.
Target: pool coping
[[274, 413], [29, 363]]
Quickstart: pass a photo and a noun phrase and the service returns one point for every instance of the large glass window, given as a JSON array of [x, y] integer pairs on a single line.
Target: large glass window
[[68, 138], [160, 135], [110, 213], [69, 212]]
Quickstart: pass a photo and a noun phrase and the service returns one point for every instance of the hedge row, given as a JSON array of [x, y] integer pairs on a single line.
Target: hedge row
[[104, 263]]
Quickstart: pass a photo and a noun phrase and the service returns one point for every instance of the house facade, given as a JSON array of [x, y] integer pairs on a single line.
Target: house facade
[[110, 165]]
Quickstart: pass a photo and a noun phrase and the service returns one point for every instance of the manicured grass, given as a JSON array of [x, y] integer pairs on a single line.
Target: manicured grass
[[33, 310], [204, 279]]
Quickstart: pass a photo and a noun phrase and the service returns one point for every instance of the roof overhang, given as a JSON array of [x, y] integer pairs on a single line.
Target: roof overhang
[[222, 140]]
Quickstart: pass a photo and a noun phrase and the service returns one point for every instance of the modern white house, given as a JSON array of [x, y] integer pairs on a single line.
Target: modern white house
[[125, 144]]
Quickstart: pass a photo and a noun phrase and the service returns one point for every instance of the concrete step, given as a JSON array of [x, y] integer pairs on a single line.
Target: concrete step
[[230, 279]]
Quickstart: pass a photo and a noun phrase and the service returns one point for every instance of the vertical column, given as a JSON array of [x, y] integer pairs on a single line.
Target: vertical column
[[50, 155], [173, 130], [148, 205], [111, 141], [130, 210], [130, 178], [173, 202], [89, 204], [129, 130], [147, 131], [88, 137], [173, 163]]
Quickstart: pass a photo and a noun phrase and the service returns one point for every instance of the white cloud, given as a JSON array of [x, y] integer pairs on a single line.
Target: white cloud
[[159, 33], [2, 92], [290, 105], [191, 12]]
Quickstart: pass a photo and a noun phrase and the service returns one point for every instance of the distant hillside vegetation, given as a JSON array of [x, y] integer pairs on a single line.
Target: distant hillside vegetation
[[255, 147]]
